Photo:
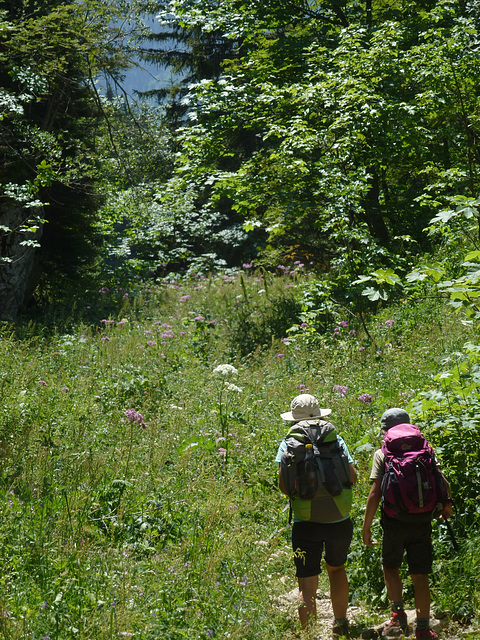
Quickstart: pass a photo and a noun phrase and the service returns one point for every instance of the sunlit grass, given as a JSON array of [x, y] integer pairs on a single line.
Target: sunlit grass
[[138, 487]]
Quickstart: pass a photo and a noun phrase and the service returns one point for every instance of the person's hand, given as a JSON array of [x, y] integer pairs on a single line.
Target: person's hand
[[446, 512], [367, 537]]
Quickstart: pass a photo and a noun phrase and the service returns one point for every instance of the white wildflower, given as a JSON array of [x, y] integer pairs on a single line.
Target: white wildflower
[[233, 387], [225, 370]]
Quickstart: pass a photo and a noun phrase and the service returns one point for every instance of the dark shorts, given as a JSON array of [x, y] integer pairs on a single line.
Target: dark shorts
[[309, 539], [413, 538]]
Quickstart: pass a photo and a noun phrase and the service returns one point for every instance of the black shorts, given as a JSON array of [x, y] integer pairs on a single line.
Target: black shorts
[[309, 540], [414, 538]]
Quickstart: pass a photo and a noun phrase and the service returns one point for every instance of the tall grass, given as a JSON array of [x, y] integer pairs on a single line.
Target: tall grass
[[138, 488]]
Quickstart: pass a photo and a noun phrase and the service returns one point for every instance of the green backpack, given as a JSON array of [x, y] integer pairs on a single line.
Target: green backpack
[[316, 473]]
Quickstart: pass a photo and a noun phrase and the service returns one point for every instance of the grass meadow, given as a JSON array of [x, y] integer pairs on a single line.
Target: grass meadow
[[138, 486]]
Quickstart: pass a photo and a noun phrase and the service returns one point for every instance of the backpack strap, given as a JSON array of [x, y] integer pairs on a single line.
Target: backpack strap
[[343, 468]]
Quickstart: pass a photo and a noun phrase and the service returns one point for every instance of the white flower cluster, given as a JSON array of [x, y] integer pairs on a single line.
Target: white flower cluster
[[225, 370], [232, 387]]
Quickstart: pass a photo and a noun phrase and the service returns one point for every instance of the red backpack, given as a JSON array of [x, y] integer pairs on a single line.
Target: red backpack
[[412, 486]]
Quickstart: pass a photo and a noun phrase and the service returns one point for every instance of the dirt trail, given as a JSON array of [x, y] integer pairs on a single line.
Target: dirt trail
[[357, 616]]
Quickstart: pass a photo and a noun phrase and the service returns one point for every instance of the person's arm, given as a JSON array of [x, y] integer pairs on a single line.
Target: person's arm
[[373, 501], [446, 512], [281, 484], [353, 473]]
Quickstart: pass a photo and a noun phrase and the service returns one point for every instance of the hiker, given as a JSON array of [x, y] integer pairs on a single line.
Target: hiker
[[410, 533], [333, 535]]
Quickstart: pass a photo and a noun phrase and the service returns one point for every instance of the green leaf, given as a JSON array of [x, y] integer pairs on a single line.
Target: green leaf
[[362, 280], [436, 273], [374, 294], [444, 216], [473, 255], [387, 276]]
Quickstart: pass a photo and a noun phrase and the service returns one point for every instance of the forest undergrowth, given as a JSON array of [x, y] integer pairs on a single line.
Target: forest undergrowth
[[138, 484]]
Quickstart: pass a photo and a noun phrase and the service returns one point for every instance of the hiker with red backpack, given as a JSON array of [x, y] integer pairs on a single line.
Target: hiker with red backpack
[[406, 479], [316, 472]]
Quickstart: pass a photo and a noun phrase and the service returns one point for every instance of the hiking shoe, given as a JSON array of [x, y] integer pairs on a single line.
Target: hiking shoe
[[426, 634], [340, 630], [397, 626]]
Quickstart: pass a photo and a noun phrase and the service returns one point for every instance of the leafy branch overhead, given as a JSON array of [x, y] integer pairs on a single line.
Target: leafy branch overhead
[[325, 139], [330, 133]]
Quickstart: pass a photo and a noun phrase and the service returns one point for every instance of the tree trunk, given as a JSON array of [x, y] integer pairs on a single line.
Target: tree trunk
[[373, 215], [18, 274]]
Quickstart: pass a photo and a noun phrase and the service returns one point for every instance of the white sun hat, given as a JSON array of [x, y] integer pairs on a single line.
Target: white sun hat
[[305, 407]]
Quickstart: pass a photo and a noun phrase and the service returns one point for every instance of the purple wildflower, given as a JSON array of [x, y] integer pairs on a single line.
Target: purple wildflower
[[365, 397], [341, 389], [135, 416], [42, 383]]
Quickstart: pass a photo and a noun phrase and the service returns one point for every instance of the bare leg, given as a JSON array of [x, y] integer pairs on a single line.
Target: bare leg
[[393, 582], [338, 590], [307, 608], [422, 595]]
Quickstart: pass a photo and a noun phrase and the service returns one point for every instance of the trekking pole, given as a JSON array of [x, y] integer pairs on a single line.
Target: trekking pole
[[452, 535]]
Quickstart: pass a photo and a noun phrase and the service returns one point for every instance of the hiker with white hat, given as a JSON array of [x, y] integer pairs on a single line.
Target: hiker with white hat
[[322, 524]]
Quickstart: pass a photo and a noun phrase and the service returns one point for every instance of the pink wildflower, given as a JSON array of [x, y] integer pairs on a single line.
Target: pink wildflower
[[135, 416], [341, 389], [366, 398]]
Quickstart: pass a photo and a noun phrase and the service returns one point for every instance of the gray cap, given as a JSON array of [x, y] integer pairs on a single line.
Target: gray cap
[[392, 417]]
